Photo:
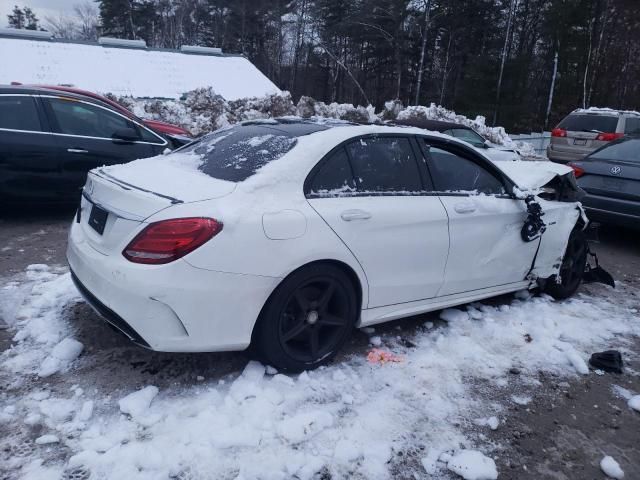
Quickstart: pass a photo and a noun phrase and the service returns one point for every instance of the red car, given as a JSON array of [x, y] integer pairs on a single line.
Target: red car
[[177, 135]]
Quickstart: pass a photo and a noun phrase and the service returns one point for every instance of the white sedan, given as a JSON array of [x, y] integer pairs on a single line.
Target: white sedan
[[287, 234]]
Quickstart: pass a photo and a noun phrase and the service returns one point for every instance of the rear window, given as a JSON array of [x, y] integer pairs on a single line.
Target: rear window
[[237, 153], [19, 113], [627, 150], [588, 123]]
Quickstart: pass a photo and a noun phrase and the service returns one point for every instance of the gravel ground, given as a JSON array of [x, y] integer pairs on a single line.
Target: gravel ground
[[562, 434]]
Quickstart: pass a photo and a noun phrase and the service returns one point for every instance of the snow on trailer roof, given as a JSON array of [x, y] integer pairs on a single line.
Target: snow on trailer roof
[[128, 70]]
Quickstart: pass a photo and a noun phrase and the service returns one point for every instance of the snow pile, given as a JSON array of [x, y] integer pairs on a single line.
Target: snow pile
[[351, 419], [203, 110], [473, 465], [634, 403], [36, 308], [137, 403], [61, 355], [611, 468]]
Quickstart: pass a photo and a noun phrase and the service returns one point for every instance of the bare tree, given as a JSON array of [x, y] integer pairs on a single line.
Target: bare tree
[[62, 26], [88, 18], [427, 12], [512, 10]]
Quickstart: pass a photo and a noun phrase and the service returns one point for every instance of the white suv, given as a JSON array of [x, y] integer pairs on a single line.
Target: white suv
[[585, 130]]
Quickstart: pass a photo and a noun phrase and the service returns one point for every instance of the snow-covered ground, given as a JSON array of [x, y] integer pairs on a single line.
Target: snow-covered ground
[[419, 406]]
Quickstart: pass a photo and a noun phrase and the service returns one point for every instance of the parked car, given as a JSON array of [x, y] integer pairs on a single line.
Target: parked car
[[611, 178], [466, 134], [176, 135], [287, 234], [50, 139], [585, 130]]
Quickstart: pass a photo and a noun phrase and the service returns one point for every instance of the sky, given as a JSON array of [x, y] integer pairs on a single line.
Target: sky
[[42, 8]]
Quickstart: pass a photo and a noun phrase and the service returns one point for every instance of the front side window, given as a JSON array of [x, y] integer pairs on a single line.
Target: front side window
[[19, 113], [384, 164], [77, 118], [453, 173]]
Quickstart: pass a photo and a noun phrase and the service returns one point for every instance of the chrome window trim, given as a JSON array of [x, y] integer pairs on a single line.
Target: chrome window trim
[[164, 144]]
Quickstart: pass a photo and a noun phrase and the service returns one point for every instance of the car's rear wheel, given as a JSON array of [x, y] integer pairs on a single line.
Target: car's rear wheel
[[572, 268], [307, 319]]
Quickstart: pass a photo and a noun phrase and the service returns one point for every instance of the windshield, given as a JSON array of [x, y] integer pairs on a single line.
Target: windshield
[[589, 123], [236, 153], [627, 150], [467, 135]]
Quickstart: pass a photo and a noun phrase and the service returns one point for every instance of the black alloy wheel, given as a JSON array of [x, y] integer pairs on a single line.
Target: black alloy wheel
[[307, 319]]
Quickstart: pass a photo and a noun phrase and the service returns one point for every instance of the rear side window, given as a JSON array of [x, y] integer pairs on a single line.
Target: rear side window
[[632, 126], [19, 113], [627, 150], [452, 173], [334, 176], [77, 118], [384, 164], [588, 123]]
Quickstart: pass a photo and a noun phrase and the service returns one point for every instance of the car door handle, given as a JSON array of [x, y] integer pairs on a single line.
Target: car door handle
[[465, 207], [350, 215], [77, 150]]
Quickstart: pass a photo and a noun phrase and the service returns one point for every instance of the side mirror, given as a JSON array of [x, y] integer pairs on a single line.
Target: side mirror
[[486, 144], [125, 135]]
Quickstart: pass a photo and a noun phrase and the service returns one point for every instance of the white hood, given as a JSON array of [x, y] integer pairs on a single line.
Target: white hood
[[529, 175]]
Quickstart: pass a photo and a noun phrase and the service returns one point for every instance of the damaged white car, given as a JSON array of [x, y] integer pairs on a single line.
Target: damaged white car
[[286, 234]]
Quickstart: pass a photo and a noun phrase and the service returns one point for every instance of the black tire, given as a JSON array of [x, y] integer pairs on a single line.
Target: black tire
[[307, 319], [572, 268]]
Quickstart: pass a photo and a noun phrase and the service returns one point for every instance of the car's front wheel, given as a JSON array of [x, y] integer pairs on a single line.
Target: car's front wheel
[[572, 268], [307, 319]]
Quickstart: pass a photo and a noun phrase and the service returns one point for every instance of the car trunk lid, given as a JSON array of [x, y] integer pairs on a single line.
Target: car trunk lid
[[118, 199], [611, 178]]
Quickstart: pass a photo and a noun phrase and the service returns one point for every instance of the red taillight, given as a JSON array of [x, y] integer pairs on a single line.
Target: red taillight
[[558, 132], [609, 137], [168, 240], [577, 170]]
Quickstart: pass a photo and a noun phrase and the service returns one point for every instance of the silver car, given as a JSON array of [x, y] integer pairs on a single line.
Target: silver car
[[585, 130]]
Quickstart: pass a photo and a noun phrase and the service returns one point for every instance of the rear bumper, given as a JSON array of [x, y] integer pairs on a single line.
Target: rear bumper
[[109, 315], [560, 156], [174, 307], [616, 211]]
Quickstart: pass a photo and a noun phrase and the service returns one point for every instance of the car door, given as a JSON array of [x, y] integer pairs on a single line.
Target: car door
[[91, 136], [486, 248], [371, 192], [29, 167]]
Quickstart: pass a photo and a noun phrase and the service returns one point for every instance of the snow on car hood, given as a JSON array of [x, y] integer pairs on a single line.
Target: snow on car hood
[[499, 154], [176, 175], [530, 175]]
